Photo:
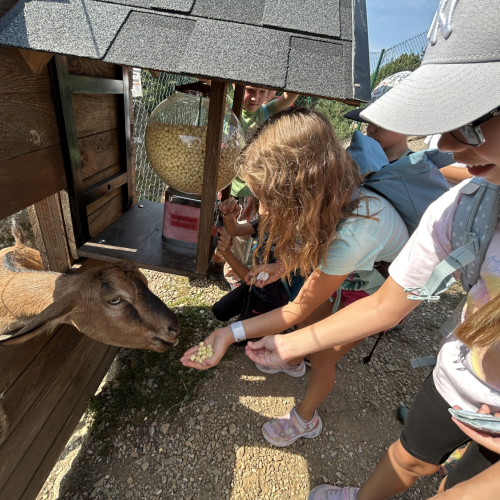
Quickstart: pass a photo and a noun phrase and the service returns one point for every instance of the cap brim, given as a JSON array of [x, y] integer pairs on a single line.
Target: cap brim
[[354, 115], [437, 98]]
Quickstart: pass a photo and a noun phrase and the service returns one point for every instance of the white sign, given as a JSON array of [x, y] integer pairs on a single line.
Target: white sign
[[136, 83]]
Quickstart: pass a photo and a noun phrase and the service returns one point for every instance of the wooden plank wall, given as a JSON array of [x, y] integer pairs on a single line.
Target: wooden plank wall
[[45, 382]]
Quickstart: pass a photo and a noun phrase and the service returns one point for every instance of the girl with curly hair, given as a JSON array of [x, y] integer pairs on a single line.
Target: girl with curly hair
[[322, 223]]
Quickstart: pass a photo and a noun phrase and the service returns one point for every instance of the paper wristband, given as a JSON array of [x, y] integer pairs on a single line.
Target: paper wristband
[[238, 331]]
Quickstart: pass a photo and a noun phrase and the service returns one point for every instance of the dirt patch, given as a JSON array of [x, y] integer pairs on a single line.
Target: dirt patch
[[212, 447]]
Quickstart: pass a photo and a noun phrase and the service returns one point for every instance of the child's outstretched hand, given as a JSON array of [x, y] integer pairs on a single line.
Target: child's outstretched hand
[[267, 351], [273, 270], [220, 340], [230, 209], [224, 240], [489, 441]]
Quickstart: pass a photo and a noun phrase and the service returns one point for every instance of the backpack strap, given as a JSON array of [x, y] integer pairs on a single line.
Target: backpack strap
[[472, 229]]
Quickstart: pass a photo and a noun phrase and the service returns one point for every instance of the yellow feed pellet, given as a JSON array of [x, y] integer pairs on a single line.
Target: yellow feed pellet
[[177, 154]]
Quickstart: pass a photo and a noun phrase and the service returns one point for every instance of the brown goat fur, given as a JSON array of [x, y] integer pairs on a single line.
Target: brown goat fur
[[111, 304]]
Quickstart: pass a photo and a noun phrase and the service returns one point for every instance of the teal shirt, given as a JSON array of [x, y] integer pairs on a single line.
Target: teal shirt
[[362, 242]]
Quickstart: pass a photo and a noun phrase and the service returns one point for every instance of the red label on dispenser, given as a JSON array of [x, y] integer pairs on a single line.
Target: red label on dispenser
[[184, 222]]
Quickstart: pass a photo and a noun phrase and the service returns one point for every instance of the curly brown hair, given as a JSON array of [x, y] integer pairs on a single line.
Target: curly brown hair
[[298, 170]]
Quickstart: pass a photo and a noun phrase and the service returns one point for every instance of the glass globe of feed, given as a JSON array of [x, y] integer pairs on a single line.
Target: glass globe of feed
[[176, 139]]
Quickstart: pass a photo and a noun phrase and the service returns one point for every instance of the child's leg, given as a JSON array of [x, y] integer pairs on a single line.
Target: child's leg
[[322, 312], [396, 471], [231, 304], [322, 378], [428, 438]]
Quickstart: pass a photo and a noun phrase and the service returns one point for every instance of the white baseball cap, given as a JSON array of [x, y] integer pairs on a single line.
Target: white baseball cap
[[459, 79]]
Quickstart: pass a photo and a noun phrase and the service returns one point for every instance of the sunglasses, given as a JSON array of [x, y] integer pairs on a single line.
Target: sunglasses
[[472, 134]]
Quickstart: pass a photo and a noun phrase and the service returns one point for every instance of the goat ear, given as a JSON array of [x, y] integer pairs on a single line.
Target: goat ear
[[48, 319]]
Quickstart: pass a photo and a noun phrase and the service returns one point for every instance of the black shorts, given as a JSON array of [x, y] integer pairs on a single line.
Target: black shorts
[[242, 302], [431, 435]]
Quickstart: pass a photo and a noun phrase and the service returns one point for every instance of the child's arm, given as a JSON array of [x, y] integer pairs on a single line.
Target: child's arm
[[365, 317], [285, 101], [224, 247], [455, 174], [230, 211]]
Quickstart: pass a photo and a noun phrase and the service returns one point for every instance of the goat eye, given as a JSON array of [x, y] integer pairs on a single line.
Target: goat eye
[[115, 301]]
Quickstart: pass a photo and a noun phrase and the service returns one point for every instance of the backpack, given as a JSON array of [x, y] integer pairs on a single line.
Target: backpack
[[472, 229], [411, 183]]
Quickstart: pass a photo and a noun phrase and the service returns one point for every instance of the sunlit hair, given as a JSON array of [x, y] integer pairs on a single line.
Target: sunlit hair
[[482, 328], [298, 169]]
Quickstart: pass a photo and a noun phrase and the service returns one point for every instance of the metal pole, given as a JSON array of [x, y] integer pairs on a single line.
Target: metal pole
[[374, 77]]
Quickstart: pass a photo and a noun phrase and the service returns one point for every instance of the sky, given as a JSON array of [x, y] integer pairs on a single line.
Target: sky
[[392, 21]]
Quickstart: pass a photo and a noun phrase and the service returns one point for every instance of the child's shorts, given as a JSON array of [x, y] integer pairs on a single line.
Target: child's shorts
[[431, 435], [244, 303], [348, 296]]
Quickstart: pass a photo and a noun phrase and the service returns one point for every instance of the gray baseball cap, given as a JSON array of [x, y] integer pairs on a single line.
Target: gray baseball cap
[[459, 79]]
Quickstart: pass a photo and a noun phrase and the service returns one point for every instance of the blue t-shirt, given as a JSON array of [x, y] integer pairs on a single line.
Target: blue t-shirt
[[362, 242]]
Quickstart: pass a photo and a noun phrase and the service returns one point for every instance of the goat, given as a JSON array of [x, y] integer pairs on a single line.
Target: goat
[[111, 304]]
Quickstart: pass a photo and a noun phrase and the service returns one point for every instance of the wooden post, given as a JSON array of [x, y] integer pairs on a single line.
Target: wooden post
[[210, 172], [69, 143], [50, 234], [32, 62], [239, 95]]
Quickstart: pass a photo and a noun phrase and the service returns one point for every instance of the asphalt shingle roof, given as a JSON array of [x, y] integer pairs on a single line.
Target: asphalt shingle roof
[[298, 45]]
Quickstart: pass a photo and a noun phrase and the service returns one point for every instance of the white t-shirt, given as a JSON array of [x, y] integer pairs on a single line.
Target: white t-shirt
[[362, 242], [464, 377]]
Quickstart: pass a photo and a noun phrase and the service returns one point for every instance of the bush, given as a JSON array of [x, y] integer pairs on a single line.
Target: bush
[[334, 111]]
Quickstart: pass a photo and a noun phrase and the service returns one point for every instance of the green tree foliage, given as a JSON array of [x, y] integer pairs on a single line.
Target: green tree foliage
[[405, 62], [334, 111]]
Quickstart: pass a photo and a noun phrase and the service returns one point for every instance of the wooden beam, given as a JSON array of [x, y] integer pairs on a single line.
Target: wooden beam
[[14, 81], [69, 145], [30, 178], [210, 172], [154, 73], [27, 123], [94, 85], [91, 67], [50, 233], [239, 95], [32, 62], [63, 432], [126, 145]]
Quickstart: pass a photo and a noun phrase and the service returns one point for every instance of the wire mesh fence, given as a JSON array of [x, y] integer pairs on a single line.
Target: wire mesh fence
[[406, 56], [148, 184], [402, 57]]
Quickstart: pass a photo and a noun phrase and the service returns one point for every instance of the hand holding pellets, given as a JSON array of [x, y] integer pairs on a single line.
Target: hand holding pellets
[[204, 352]]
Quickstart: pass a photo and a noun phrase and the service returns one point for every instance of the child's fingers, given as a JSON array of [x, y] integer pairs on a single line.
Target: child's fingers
[[190, 352], [255, 346], [193, 364]]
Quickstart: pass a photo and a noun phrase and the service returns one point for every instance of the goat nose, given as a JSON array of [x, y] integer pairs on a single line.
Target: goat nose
[[174, 329]]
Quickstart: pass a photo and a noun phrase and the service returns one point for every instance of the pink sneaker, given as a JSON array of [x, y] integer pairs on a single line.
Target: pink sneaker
[[329, 492], [293, 371], [286, 430]]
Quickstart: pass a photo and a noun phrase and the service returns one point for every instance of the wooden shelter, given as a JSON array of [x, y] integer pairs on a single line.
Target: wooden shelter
[[67, 153]]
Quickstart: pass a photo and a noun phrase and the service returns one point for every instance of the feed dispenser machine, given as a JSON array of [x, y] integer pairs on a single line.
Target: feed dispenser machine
[[176, 139]]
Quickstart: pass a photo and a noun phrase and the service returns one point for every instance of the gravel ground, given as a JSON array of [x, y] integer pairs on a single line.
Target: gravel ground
[[212, 446]]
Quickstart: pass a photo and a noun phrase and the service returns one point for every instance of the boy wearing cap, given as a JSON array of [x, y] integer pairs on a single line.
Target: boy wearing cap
[[395, 145], [456, 93]]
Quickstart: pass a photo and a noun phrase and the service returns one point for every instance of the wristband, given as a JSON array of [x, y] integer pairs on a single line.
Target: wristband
[[238, 331]]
